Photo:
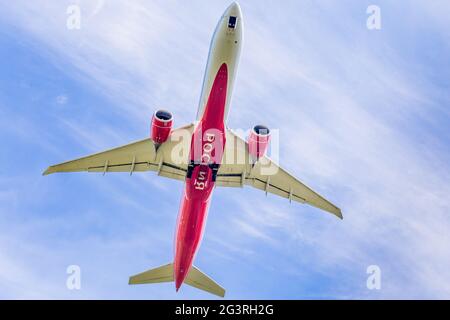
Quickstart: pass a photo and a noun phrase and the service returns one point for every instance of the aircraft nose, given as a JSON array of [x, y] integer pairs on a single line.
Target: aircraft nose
[[234, 10]]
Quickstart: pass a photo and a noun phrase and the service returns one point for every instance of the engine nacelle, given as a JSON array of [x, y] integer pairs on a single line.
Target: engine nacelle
[[161, 126], [258, 141]]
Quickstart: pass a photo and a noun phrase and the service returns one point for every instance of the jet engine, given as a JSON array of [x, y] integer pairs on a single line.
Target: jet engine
[[161, 126], [258, 141]]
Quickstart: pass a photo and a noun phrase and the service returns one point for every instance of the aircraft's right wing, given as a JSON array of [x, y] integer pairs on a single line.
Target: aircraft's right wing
[[237, 170], [169, 160]]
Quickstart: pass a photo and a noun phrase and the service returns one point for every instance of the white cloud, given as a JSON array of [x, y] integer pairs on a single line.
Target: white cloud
[[62, 99], [348, 97]]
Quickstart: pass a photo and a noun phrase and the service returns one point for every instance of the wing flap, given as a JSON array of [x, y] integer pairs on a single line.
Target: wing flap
[[125, 167], [230, 180], [173, 172]]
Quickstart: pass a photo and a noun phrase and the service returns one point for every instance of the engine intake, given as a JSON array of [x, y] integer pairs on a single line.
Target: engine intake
[[161, 126], [258, 141]]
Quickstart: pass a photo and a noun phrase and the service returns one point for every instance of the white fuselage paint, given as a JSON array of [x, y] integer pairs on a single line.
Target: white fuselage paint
[[225, 47]]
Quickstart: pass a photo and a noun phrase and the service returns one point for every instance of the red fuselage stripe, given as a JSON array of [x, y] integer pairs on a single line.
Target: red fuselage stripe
[[207, 146]]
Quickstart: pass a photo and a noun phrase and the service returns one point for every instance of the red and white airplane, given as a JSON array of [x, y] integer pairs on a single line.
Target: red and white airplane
[[204, 154]]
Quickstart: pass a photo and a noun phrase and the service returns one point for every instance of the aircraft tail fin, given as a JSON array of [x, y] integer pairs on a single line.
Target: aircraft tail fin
[[195, 278]]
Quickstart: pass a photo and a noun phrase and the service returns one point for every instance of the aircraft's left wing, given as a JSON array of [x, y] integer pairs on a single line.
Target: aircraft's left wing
[[169, 160], [237, 170]]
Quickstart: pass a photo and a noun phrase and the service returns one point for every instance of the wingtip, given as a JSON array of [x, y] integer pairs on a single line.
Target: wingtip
[[132, 280], [339, 215], [46, 172]]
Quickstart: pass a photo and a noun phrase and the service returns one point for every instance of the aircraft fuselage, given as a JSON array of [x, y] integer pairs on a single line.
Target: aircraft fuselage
[[208, 139]]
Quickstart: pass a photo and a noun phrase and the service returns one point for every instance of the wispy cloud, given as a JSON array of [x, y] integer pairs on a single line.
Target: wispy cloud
[[363, 118]]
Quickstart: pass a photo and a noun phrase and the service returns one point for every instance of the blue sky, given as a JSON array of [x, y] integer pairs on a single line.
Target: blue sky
[[363, 118]]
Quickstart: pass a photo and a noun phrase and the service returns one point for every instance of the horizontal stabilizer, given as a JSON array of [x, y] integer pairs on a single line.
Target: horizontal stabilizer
[[195, 278], [157, 275], [199, 280]]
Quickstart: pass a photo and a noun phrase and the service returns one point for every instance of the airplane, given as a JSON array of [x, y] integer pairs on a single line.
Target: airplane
[[204, 154]]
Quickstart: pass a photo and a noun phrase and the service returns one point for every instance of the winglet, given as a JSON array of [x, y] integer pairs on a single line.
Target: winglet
[[339, 214], [48, 171]]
